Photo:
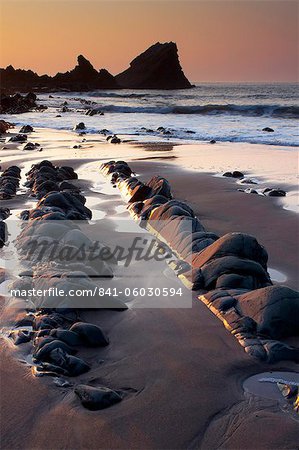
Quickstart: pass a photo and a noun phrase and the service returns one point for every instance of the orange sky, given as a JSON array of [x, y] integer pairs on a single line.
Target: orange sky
[[218, 40]]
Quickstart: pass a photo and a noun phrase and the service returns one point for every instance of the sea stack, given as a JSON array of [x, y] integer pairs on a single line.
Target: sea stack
[[84, 77], [156, 68]]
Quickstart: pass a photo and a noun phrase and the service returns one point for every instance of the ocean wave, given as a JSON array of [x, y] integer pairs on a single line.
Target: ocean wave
[[210, 109]]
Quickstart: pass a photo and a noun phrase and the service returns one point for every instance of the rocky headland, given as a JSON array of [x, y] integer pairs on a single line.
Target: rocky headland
[[156, 68]]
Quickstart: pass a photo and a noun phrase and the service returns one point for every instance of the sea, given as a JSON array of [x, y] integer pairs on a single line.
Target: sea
[[220, 111]]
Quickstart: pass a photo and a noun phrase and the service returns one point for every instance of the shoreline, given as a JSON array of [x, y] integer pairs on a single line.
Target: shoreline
[[168, 360], [262, 167]]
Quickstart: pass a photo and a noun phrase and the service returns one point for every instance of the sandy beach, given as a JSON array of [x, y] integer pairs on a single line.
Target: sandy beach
[[181, 372]]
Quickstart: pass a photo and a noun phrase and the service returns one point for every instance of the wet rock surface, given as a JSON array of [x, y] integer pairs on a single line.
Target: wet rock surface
[[230, 271], [56, 331], [96, 398], [17, 104]]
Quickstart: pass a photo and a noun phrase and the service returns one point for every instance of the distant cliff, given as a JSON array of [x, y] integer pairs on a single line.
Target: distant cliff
[[156, 68]]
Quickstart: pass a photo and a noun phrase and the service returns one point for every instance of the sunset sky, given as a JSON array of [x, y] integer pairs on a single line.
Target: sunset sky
[[217, 40]]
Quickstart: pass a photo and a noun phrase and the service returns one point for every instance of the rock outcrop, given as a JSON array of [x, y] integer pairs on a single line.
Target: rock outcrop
[[18, 104], [156, 68], [84, 77]]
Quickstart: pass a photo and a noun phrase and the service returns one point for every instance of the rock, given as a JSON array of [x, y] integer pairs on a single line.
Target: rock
[[5, 126], [237, 174], [80, 126], [274, 308], [17, 104], [42, 352], [234, 174], [4, 213], [156, 68], [250, 191], [233, 244], [268, 129], [274, 192], [115, 140], [18, 138], [93, 112], [160, 186], [279, 351], [212, 141], [69, 337], [73, 365], [91, 335], [29, 146], [26, 129], [84, 78], [20, 336], [215, 268], [247, 181], [287, 390], [96, 398]]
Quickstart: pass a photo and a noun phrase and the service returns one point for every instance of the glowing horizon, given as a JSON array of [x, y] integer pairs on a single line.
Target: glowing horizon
[[218, 41]]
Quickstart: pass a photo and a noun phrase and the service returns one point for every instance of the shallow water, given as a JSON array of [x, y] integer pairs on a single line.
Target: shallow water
[[265, 384]]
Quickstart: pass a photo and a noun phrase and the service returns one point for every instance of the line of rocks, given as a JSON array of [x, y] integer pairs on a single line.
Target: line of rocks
[[9, 182], [268, 192], [230, 272], [57, 332]]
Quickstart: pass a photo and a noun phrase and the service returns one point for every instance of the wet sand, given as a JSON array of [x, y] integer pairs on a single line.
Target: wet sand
[[182, 372]]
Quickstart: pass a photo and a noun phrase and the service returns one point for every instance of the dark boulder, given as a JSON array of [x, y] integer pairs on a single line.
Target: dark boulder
[[268, 129], [69, 337], [18, 138], [96, 398], [90, 334], [17, 104], [73, 365], [215, 268], [29, 146], [80, 126], [42, 352], [274, 192], [234, 174], [275, 309], [233, 244], [5, 126], [26, 129], [4, 213]]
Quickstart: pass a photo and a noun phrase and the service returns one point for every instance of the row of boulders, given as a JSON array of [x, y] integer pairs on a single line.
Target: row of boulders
[[52, 323], [230, 271], [44, 178], [9, 182]]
